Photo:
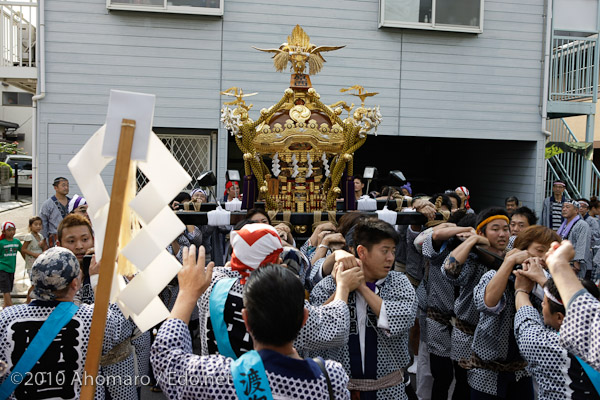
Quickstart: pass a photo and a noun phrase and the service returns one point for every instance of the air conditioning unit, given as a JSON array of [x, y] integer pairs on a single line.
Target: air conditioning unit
[[28, 43]]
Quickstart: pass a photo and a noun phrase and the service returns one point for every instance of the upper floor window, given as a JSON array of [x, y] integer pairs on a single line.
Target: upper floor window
[[441, 15], [204, 7], [17, 99]]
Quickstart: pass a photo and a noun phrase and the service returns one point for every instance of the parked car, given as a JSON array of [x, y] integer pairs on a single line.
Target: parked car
[[25, 169]]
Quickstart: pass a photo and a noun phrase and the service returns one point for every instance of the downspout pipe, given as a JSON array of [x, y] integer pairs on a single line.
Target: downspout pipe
[[546, 81], [41, 93], [545, 92]]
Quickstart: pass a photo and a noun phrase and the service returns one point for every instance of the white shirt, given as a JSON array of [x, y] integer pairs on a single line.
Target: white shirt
[[361, 315]]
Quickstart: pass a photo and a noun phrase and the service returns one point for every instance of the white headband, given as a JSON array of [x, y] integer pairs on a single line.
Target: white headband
[[198, 190], [554, 299]]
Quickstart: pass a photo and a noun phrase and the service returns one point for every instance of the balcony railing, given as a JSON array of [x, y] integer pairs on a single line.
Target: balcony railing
[[573, 75], [18, 33]]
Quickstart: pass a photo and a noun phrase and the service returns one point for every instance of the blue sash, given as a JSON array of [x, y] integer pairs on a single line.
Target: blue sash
[[249, 377], [591, 373], [58, 319], [218, 298]]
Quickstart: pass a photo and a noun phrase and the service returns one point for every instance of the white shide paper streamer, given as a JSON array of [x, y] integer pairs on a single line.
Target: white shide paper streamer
[[325, 164], [160, 225], [295, 166], [309, 170], [275, 165]]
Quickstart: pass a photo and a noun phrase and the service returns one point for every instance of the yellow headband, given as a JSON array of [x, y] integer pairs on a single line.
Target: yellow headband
[[490, 219]]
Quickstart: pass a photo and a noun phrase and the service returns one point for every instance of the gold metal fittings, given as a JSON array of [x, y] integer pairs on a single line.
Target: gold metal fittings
[[299, 113], [301, 229]]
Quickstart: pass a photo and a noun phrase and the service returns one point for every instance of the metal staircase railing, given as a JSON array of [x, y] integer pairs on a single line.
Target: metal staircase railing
[[568, 166], [562, 172]]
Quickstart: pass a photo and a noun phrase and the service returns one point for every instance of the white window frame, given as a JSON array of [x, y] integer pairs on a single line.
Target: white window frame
[[166, 8], [430, 26]]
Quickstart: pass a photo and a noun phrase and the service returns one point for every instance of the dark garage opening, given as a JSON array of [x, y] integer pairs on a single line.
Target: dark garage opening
[[491, 169]]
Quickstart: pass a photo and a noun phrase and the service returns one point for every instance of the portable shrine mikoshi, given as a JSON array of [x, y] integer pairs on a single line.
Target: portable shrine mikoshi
[[310, 145]]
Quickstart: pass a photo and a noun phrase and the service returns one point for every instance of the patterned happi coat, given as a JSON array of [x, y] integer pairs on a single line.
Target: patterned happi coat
[[440, 296], [326, 326], [559, 375], [466, 276], [392, 354], [581, 237], [64, 360], [579, 333], [137, 366], [183, 375], [494, 338]]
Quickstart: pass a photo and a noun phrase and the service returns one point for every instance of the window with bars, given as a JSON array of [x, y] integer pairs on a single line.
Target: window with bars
[[192, 151]]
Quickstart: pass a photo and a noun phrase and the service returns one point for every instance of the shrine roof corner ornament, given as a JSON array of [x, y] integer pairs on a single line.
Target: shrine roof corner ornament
[[309, 144]]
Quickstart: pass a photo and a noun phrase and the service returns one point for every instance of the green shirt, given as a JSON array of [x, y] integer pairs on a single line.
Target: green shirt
[[8, 254]]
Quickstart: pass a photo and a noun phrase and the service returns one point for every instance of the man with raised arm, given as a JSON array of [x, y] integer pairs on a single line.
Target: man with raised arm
[[440, 308], [273, 314], [382, 311], [254, 246], [579, 330], [559, 375], [497, 368], [464, 267]]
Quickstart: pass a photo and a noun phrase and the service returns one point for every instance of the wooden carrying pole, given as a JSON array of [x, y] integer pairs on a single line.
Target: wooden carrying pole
[[107, 263]]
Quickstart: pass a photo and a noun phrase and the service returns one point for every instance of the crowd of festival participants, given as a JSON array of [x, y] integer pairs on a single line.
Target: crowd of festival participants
[[494, 304]]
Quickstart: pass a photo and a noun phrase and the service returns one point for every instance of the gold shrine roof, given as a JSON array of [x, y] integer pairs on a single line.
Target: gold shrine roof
[[299, 126]]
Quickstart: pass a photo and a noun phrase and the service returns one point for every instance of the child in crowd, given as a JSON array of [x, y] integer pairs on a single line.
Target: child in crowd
[[34, 245], [9, 246]]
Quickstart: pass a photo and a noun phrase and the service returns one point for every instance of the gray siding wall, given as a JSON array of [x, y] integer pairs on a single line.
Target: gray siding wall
[[90, 51], [434, 84], [511, 172]]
